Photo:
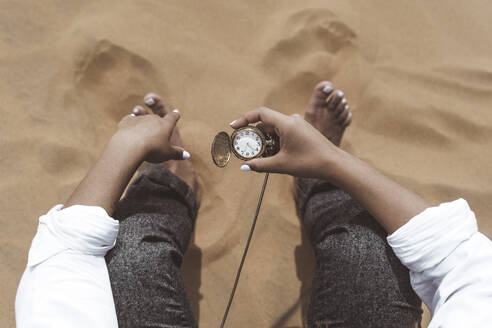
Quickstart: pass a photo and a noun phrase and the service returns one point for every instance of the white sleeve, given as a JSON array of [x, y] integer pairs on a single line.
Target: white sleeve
[[66, 282], [450, 264]]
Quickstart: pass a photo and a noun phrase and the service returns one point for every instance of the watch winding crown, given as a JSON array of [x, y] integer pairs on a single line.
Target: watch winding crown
[[272, 144]]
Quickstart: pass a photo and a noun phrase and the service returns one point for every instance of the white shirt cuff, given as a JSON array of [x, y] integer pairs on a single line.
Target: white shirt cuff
[[84, 229], [428, 238]]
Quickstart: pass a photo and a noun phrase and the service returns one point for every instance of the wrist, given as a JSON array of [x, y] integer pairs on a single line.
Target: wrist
[[335, 163], [126, 149]]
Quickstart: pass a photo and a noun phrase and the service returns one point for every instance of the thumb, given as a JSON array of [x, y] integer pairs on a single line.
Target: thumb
[[269, 164], [179, 153]]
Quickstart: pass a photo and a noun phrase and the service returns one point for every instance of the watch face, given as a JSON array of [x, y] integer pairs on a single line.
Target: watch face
[[247, 143]]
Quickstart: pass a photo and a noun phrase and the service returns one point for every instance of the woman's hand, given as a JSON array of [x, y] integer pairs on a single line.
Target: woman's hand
[[304, 151], [150, 136], [139, 138]]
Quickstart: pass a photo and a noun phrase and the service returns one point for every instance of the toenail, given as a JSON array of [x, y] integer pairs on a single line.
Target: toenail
[[340, 93], [327, 89], [132, 115], [245, 168], [344, 101], [150, 101], [176, 110], [347, 107], [233, 122], [186, 155], [136, 110]]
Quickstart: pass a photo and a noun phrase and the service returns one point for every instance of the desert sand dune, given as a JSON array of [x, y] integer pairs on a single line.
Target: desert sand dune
[[417, 74]]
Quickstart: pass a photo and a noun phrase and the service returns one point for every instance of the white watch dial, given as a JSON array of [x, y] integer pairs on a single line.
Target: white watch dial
[[247, 143]]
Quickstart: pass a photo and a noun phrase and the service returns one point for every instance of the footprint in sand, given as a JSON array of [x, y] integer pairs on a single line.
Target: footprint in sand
[[315, 45], [310, 31], [112, 77]]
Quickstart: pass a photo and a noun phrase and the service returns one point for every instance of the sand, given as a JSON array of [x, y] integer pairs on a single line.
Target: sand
[[417, 74]]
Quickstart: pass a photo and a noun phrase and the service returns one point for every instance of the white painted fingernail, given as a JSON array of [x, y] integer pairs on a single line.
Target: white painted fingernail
[[233, 122], [245, 168], [186, 155], [133, 115], [175, 110], [150, 101], [327, 89]]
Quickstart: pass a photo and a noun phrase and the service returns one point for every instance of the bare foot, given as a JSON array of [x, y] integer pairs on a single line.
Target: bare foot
[[184, 168], [328, 112]]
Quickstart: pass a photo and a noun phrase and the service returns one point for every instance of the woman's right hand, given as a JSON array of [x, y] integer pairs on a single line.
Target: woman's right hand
[[304, 151], [150, 136]]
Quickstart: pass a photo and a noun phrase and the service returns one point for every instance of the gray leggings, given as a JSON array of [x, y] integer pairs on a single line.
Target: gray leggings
[[358, 281]]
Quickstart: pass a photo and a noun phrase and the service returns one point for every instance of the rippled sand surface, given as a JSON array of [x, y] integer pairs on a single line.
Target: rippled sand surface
[[418, 76]]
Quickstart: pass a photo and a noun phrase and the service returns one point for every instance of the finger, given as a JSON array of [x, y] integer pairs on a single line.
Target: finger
[[265, 128], [178, 153], [169, 121], [268, 164], [125, 119], [139, 111], [172, 118], [262, 114], [155, 103], [128, 117]]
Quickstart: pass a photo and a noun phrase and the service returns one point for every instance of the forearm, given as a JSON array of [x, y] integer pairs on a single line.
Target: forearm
[[389, 203], [108, 178]]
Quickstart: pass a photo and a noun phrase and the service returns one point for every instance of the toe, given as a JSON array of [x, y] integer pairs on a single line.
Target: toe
[[347, 120], [155, 103], [322, 91], [139, 110], [343, 115], [335, 99], [340, 107]]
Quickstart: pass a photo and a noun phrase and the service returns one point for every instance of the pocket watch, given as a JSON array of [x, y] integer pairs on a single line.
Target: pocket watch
[[245, 143]]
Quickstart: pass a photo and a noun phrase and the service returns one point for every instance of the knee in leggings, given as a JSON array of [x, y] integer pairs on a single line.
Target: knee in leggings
[[153, 239]]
